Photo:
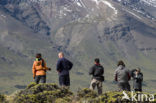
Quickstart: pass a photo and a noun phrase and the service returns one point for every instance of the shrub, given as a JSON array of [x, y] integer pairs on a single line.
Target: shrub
[[86, 93], [87, 96], [43, 93], [2, 99]]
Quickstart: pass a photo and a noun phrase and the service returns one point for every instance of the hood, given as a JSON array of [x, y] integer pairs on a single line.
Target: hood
[[121, 67]]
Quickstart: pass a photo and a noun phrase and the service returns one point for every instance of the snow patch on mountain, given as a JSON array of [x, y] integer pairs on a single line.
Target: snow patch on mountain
[[67, 9], [80, 3], [106, 3], [37, 0], [134, 14], [110, 5], [3, 16], [150, 2]]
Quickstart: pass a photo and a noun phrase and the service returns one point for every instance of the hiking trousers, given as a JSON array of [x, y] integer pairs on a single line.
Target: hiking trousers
[[96, 83], [124, 86], [40, 78], [64, 80]]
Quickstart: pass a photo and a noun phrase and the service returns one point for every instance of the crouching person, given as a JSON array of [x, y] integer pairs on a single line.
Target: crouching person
[[97, 72], [39, 69]]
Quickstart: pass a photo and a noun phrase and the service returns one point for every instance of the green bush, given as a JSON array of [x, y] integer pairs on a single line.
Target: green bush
[[43, 93], [87, 96], [86, 93], [31, 85], [2, 99], [112, 97]]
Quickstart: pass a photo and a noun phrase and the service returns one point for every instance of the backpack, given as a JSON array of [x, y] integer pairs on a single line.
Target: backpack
[[43, 62], [98, 71]]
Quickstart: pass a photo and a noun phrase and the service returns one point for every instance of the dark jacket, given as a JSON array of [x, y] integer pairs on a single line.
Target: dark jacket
[[64, 66], [137, 81], [122, 75], [97, 72]]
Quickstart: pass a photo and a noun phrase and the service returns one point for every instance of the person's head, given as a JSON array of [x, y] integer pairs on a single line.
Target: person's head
[[121, 63], [138, 70], [97, 61], [60, 55], [38, 55]]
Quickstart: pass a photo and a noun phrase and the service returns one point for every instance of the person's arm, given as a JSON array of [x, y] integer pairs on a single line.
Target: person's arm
[[58, 66], [102, 70], [116, 76], [91, 70], [129, 76], [44, 66], [70, 65], [34, 70], [140, 77]]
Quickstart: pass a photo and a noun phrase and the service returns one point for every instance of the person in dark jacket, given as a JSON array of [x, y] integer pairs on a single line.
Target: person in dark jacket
[[122, 76], [63, 67], [137, 79], [97, 72]]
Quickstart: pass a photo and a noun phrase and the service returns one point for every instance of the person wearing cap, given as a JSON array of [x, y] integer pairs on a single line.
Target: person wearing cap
[[137, 80], [39, 69]]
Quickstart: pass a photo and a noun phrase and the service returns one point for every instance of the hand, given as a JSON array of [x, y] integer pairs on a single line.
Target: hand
[[49, 69]]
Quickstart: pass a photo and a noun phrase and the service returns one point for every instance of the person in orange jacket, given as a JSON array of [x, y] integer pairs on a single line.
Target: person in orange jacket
[[39, 69]]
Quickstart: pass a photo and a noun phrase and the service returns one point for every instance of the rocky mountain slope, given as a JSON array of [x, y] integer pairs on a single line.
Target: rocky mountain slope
[[143, 7], [83, 29]]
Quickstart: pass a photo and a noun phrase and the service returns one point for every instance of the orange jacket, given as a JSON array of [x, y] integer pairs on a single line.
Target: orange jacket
[[38, 69]]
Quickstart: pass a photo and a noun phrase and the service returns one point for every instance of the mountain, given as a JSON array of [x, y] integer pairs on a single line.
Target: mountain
[[83, 30]]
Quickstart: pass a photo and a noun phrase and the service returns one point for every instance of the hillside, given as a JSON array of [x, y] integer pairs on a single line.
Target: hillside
[[83, 29]]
